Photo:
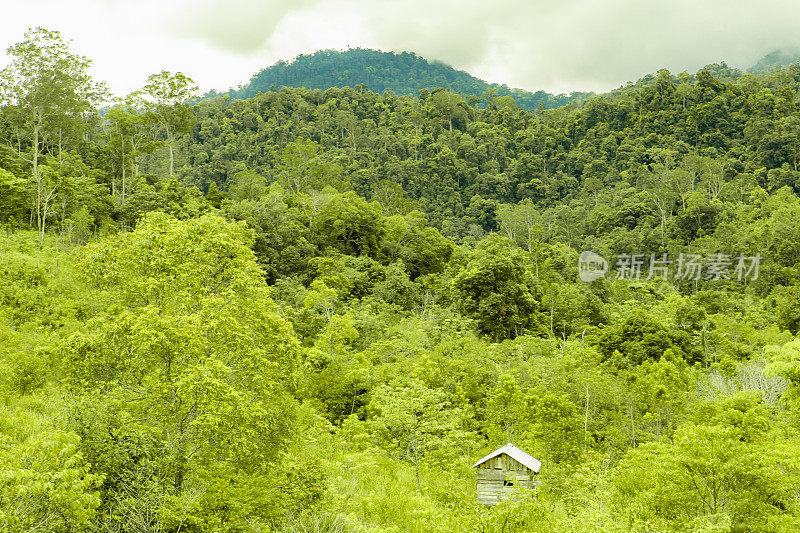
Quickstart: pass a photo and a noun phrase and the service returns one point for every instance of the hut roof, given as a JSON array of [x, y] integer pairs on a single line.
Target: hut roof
[[515, 453]]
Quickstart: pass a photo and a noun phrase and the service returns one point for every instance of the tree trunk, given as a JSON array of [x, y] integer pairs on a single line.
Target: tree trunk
[[123, 169], [416, 469], [180, 472], [633, 426], [586, 419], [171, 139], [36, 177]]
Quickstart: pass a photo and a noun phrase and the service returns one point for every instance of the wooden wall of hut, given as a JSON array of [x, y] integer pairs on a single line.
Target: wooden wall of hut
[[500, 476]]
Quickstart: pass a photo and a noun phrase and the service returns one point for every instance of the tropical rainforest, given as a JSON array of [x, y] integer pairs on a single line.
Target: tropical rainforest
[[314, 310]]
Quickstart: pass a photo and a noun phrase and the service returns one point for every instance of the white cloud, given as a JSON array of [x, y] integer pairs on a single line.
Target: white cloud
[[237, 26], [534, 44]]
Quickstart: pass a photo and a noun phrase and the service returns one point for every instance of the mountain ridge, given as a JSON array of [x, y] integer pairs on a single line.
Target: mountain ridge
[[408, 73], [404, 73]]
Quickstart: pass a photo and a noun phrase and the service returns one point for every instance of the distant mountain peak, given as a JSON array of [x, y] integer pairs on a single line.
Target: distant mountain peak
[[775, 60], [404, 73]]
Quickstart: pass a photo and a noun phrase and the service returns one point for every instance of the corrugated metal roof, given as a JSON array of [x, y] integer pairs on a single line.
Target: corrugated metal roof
[[515, 453]]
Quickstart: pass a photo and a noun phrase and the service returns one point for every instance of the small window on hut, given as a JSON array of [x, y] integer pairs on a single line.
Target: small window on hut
[[508, 482]]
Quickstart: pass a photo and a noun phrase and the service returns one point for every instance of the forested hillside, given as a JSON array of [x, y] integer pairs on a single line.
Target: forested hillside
[[775, 60], [315, 310], [401, 73]]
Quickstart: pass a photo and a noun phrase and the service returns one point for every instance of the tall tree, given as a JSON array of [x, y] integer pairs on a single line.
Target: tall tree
[[44, 85], [166, 96], [190, 344], [496, 290], [414, 421], [129, 134]]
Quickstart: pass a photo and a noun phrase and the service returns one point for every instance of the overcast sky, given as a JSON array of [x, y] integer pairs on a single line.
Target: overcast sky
[[556, 45]]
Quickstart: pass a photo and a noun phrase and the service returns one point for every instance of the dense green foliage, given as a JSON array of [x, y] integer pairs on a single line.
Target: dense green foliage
[[401, 73], [314, 310]]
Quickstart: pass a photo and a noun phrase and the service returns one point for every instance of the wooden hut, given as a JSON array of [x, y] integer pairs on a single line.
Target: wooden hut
[[503, 470]]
